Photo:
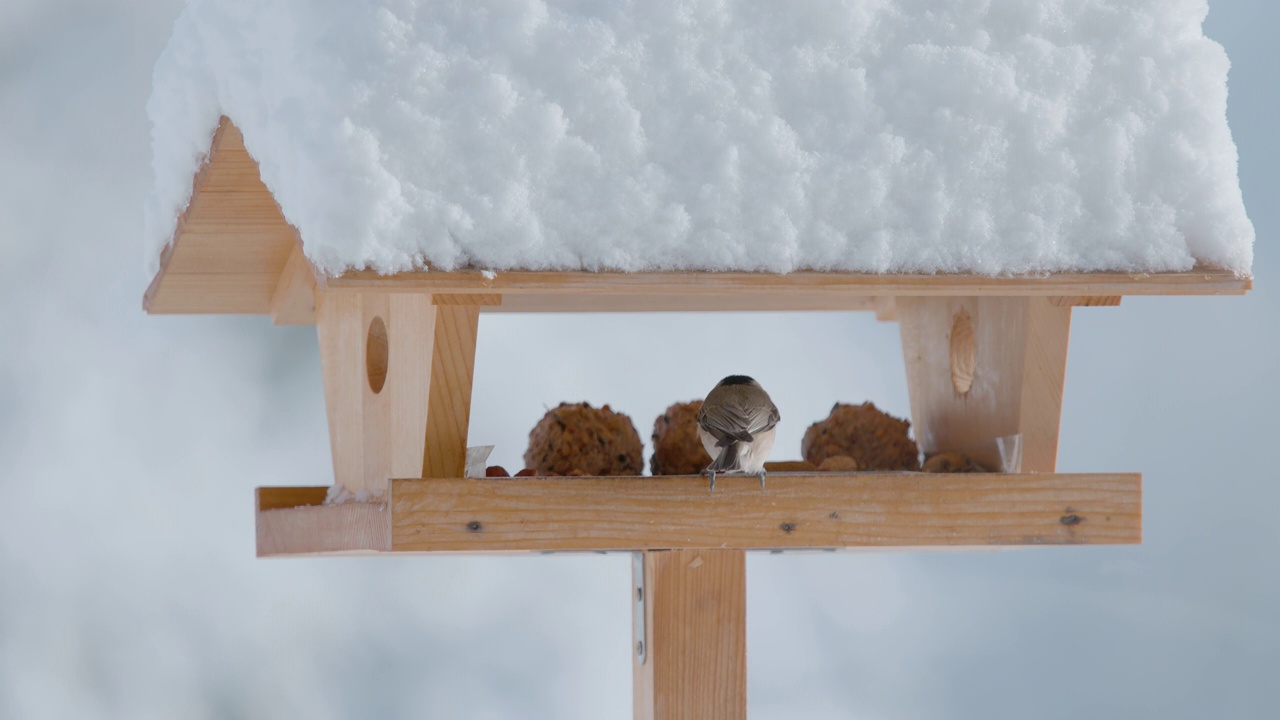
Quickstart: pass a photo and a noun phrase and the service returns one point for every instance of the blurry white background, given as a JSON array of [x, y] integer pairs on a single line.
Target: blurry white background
[[130, 445]]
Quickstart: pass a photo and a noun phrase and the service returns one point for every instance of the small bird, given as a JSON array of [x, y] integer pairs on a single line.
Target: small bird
[[736, 426]]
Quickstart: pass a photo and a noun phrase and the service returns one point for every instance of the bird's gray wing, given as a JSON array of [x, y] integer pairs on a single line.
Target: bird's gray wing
[[731, 422]]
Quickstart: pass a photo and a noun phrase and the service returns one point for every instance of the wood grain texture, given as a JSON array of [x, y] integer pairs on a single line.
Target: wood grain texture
[[481, 299], [826, 510], [568, 302], [453, 360], [376, 435], [279, 498], [1201, 281], [1086, 301], [347, 529], [1015, 383], [1044, 376], [696, 615], [294, 299], [231, 243]]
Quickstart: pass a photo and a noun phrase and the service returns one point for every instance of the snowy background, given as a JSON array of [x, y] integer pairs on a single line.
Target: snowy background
[[129, 447]]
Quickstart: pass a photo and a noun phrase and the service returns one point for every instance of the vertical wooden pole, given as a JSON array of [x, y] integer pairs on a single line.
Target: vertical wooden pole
[[979, 368], [693, 664]]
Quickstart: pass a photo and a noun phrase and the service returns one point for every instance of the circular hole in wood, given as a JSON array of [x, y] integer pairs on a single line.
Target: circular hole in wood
[[964, 353], [375, 355]]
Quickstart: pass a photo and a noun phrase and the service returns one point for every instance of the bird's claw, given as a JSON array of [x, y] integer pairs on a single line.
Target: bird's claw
[[712, 474], [761, 476]]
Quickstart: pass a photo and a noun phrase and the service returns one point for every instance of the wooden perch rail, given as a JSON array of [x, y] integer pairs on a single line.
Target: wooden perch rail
[[795, 511]]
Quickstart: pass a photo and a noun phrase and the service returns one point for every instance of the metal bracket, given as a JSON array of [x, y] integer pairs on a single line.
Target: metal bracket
[[638, 601]]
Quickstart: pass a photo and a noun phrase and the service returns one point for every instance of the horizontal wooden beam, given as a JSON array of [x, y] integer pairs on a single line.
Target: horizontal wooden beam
[[795, 511], [1201, 281], [570, 302]]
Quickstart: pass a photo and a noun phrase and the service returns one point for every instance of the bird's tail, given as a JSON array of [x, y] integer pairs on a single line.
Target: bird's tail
[[728, 460]]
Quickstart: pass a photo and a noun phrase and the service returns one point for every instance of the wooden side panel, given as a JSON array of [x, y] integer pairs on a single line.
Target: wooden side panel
[[980, 368], [696, 615], [453, 360], [231, 243], [341, 333], [1044, 376], [796, 510], [376, 357]]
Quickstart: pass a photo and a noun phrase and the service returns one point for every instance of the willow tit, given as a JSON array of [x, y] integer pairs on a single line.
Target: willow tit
[[736, 426]]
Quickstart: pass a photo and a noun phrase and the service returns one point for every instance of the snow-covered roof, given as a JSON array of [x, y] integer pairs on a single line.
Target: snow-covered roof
[[884, 136]]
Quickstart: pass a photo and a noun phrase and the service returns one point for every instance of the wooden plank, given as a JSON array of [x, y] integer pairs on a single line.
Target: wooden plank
[[294, 300], [796, 510], [279, 498], [376, 359], [1200, 281], [453, 361], [807, 302], [1044, 373], [981, 368], [346, 529], [695, 664], [1085, 301], [483, 300]]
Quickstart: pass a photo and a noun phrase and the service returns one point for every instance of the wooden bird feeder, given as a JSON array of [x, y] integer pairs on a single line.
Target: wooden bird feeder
[[985, 357]]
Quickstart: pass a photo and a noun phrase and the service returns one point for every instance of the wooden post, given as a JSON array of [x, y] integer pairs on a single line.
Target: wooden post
[[397, 379], [979, 368], [453, 362], [690, 660]]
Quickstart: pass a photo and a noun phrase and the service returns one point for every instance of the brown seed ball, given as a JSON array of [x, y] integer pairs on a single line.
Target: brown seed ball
[[527, 472], [952, 462], [676, 447], [496, 471], [839, 463], [874, 439], [580, 437]]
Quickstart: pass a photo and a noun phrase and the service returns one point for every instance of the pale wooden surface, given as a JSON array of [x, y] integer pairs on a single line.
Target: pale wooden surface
[[349, 528], [453, 361], [1044, 373], [374, 436], [1204, 281], [802, 302], [979, 368], [696, 616], [796, 510], [294, 299], [1095, 301], [232, 240]]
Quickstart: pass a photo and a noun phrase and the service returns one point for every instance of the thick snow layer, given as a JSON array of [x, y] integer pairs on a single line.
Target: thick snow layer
[[1002, 136]]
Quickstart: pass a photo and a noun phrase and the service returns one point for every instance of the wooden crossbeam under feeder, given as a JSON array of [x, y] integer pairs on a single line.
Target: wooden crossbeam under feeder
[[985, 357]]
